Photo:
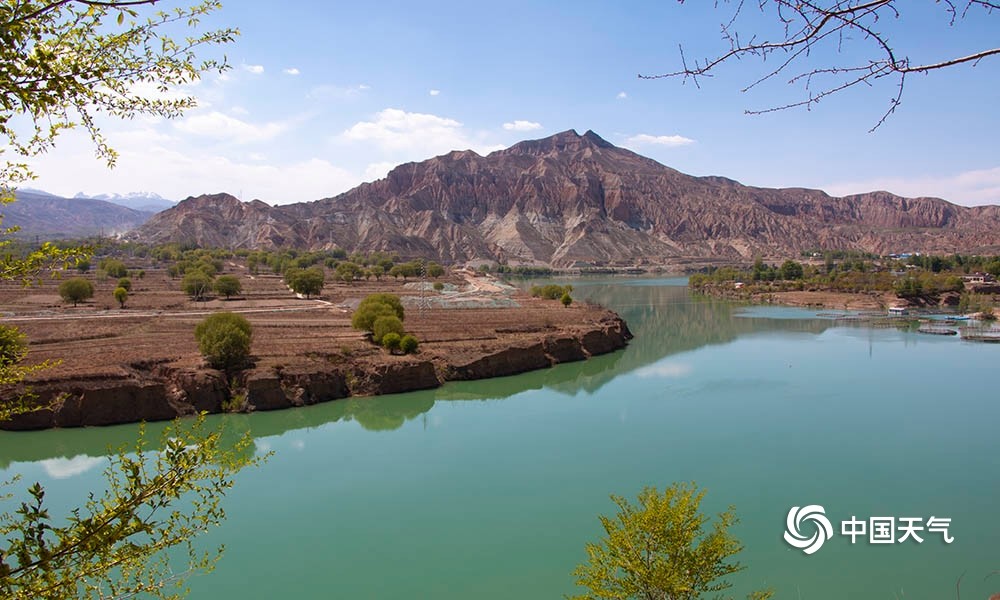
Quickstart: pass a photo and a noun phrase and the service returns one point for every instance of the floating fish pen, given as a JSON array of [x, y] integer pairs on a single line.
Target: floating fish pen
[[977, 334], [874, 322], [937, 330]]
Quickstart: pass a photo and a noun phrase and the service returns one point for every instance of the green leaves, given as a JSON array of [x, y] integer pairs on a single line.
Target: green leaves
[[61, 63], [660, 550], [115, 546]]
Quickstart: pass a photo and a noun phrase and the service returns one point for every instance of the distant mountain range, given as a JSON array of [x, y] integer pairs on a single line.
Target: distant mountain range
[[142, 201], [576, 200], [47, 216]]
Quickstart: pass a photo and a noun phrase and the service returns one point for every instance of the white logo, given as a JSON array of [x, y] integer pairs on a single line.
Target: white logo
[[793, 528]]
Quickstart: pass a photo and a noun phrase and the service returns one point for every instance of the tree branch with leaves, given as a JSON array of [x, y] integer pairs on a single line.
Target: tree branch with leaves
[[62, 65]]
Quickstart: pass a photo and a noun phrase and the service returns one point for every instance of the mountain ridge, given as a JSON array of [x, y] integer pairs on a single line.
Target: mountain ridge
[[576, 200], [45, 215]]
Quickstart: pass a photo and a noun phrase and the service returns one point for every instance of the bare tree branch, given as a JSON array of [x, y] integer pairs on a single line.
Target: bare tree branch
[[810, 26]]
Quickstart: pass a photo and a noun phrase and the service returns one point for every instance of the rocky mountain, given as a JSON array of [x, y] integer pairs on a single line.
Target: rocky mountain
[[573, 199], [44, 215], [143, 201]]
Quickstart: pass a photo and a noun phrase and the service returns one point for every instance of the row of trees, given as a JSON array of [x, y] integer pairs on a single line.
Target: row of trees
[[553, 291]]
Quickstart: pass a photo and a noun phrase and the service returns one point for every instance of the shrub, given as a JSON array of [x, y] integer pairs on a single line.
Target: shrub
[[196, 284], [566, 299], [113, 267], [386, 324], [121, 295], [76, 290], [82, 265], [408, 344], [438, 286], [365, 316], [551, 291], [434, 270], [391, 341], [375, 306], [308, 281], [228, 285], [224, 340], [126, 283]]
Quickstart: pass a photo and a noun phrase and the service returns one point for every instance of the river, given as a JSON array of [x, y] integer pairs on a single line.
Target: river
[[491, 489]]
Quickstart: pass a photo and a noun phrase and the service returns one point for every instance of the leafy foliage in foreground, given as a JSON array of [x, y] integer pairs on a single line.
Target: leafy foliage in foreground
[[659, 549], [114, 546]]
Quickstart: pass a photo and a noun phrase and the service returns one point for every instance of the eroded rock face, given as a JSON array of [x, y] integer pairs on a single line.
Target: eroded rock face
[[98, 403], [564, 349], [271, 391], [395, 378], [510, 361], [574, 199]]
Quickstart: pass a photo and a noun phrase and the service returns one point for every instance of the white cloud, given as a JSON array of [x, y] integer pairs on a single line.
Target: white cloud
[[644, 139], [222, 127], [522, 126], [378, 170], [291, 71], [71, 168], [63, 468], [239, 110], [255, 69], [971, 188], [336, 92], [393, 129], [621, 96], [435, 92]]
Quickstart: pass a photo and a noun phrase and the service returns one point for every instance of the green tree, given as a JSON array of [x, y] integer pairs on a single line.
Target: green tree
[[349, 271], [566, 299], [306, 281], [121, 295], [113, 267], [391, 341], [659, 549], [375, 306], [196, 284], [434, 270], [378, 272], [224, 340], [228, 285], [408, 344], [126, 283], [76, 290], [791, 270], [386, 324], [82, 265], [438, 286]]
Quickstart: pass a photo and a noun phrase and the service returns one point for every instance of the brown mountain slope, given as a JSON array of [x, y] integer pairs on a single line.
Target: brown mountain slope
[[577, 199]]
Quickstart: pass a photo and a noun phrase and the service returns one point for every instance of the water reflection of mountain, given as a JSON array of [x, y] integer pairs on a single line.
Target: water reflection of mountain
[[664, 317]]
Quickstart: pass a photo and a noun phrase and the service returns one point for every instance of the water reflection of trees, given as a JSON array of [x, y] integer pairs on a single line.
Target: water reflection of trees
[[665, 319]]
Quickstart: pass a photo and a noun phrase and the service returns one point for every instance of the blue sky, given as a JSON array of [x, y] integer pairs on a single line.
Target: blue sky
[[325, 95]]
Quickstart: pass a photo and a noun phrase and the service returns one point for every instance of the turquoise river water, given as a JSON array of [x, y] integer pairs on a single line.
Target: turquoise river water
[[490, 489]]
